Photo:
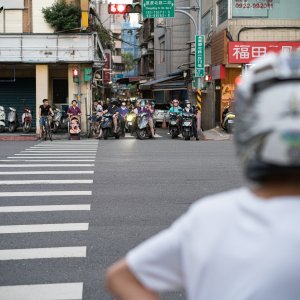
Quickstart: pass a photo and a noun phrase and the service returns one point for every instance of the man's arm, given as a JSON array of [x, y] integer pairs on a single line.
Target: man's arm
[[40, 112], [122, 283]]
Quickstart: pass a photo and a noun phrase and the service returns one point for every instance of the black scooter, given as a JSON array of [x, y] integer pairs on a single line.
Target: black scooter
[[174, 125], [107, 126], [187, 125]]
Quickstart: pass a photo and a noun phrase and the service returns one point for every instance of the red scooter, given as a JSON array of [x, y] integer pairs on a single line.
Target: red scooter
[[27, 120]]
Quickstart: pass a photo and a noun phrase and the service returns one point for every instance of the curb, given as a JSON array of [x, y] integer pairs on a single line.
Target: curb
[[17, 138]]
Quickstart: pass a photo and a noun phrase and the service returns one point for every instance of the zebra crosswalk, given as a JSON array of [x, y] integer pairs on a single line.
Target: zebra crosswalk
[[45, 202]]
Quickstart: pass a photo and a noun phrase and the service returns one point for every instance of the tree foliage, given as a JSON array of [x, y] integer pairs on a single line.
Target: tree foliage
[[105, 36], [62, 16], [128, 61]]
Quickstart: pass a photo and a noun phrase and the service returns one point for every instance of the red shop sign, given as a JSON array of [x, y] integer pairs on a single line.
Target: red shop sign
[[106, 72], [245, 52]]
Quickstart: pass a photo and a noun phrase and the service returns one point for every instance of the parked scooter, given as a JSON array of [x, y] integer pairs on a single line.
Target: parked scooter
[[107, 126], [2, 119], [12, 118], [60, 120], [143, 130], [130, 122], [228, 119], [26, 120], [187, 125], [174, 125]]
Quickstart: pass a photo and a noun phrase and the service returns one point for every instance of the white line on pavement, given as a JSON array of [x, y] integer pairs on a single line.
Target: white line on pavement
[[44, 160], [45, 181], [59, 151], [79, 157], [43, 165], [56, 154], [38, 253], [46, 172], [5, 229], [56, 291], [45, 194], [42, 208]]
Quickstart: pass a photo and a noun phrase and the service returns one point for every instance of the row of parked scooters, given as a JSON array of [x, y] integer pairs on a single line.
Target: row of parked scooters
[[12, 121]]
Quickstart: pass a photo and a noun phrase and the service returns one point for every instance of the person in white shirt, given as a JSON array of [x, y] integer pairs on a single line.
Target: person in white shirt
[[241, 244]]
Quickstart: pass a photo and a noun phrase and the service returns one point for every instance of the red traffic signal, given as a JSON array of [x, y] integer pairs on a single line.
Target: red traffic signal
[[124, 8], [75, 75]]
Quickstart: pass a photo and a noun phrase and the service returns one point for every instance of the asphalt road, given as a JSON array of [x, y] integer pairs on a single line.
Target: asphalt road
[[127, 190]]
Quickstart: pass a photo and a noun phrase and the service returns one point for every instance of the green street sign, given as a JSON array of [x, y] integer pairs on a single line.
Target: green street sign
[[199, 56], [88, 74], [158, 9]]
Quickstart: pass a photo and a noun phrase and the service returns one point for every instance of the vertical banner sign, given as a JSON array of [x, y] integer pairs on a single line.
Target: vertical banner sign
[[106, 72], [199, 56]]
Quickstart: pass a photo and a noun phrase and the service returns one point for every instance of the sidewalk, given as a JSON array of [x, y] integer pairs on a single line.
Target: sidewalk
[[217, 134]]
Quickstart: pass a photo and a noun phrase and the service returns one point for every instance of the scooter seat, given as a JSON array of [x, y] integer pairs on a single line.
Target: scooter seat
[[12, 109]]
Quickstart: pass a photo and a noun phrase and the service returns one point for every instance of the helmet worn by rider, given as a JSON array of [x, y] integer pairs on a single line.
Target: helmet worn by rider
[[267, 128]]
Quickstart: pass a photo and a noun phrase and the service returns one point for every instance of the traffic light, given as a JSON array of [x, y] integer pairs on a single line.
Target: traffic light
[[75, 75], [124, 8]]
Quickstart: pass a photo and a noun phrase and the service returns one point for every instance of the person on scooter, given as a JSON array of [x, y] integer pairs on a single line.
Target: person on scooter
[[175, 108], [45, 111], [113, 109], [123, 111], [190, 109], [149, 109]]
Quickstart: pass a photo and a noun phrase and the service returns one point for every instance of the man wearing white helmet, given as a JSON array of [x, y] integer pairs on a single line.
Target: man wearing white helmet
[[242, 244]]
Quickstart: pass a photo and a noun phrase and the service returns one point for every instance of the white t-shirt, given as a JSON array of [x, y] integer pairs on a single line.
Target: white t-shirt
[[231, 246]]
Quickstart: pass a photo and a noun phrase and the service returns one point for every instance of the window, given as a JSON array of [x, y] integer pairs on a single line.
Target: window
[[206, 22], [60, 91], [222, 11], [162, 52]]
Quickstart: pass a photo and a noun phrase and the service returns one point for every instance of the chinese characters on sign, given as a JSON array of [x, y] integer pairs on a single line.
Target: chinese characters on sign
[[253, 4], [158, 9], [106, 73], [199, 56], [245, 52]]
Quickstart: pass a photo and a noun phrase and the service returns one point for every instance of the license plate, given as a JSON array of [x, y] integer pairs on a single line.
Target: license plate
[[129, 123], [187, 124], [230, 121]]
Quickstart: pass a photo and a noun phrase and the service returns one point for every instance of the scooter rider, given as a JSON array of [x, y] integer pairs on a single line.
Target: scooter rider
[[113, 109], [190, 109], [150, 112], [45, 111], [175, 107]]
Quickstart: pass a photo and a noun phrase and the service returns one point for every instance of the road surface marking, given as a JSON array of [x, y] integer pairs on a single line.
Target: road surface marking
[[6, 229], [43, 165], [45, 181], [59, 151], [46, 172], [56, 291], [38, 253], [42, 208], [54, 154], [46, 194], [44, 160], [79, 157]]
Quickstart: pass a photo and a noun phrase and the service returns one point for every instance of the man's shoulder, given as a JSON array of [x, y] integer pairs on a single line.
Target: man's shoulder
[[221, 203]]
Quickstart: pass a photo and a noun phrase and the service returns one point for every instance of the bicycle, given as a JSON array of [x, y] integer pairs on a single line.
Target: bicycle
[[47, 129]]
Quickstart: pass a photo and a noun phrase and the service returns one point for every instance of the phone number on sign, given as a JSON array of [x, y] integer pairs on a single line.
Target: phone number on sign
[[254, 5]]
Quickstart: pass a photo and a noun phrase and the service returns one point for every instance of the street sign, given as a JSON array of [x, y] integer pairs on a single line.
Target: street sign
[[199, 56], [158, 8], [88, 74]]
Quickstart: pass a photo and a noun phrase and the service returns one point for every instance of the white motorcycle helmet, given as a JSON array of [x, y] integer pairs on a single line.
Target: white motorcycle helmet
[[267, 132]]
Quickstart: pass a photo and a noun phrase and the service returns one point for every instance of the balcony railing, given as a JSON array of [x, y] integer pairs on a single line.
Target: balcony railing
[[51, 48]]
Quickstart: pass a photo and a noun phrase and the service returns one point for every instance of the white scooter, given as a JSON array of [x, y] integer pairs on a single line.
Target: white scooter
[[12, 119], [2, 119]]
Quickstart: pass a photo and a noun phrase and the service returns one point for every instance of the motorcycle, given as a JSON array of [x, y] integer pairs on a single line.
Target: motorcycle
[[107, 126], [130, 122], [26, 120], [94, 125], [187, 125], [174, 125], [2, 119], [143, 128], [60, 120], [228, 119], [12, 119]]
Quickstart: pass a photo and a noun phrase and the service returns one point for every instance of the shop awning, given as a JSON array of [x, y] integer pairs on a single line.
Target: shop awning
[[175, 82], [128, 80]]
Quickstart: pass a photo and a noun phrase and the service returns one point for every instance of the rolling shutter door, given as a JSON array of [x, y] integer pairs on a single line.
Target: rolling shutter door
[[19, 94]]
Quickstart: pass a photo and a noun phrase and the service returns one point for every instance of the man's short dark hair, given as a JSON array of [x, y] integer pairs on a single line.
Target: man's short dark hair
[[44, 100], [74, 101]]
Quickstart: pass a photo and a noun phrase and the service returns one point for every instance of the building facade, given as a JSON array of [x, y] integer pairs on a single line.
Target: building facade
[[38, 63]]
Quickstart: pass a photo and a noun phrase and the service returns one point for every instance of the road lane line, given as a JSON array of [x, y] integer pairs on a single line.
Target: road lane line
[[79, 157], [43, 165], [44, 160], [46, 172], [39, 253], [54, 154], [56, 291], [34, 228], [45, 181], [45, 194], [58, 151], [43, 208]]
